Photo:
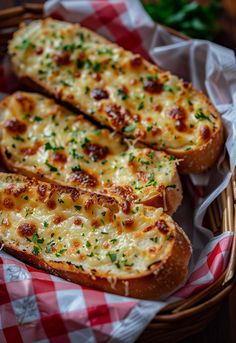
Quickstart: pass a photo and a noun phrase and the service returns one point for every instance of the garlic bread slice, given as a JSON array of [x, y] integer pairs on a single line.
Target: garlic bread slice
[[40, 138], [89, 239]]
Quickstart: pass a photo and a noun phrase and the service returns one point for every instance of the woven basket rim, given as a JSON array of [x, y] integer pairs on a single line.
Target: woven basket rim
[[210, 296]]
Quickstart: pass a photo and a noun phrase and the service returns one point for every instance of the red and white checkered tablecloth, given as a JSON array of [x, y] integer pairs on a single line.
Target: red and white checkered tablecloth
[[38, 307]]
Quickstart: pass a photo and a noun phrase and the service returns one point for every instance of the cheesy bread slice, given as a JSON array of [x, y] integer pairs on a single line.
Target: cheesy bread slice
[[40, 138], [119, 89], [88, 238]]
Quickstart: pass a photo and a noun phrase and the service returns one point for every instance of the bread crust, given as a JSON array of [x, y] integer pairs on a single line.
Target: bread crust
[[196, 160], [162, 279]]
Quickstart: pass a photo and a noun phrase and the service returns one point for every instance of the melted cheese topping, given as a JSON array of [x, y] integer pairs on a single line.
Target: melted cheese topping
[[47, 140], [114, 86], [90, 231]]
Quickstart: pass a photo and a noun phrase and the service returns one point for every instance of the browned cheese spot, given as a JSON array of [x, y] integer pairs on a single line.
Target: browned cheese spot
[[8, 203], [26, 229], [153, 86], [125, 192], [62, 58], [96, 151], [205, 133], [59, 157], [78, 221], [30, 151], [42, 189], [26, 103], [162, 226], [15, 126], [179, 115], [136, 61], [38, 50], [59, 219], [51, 204], [119, 116], [129, 223], [99, 94], [83, 178]]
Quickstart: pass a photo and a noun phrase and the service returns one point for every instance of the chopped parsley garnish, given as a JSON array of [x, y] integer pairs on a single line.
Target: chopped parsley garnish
[[114, 240], [199, 115], [78, 207], [40, 240], [76, 168], [37, 119], [144, 161], [18, 138], [25, 44], [35, 237], [85, 142], [51, 168], [87, 90], [48, 146], [26, 116], [122, 94], [151, 77], [69, 47], [104, 51], [65, 83], [88, 244], [36, 250], [140, 106], [117, 264], [112, 256], [154, 239], [97, 66], [97, 132], [45, 224], [80, 64], [129, 128], [171, 186], [168, 88], [149, 128], [169, 236], [131, 157], [59, 253]]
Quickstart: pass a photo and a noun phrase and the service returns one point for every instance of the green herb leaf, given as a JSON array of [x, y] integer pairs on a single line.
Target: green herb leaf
[[88, 244], [199, 115], [129, 128], [48, 146], [80, 64], [51, 168], [140, 106], [112, 256], [76, 168]]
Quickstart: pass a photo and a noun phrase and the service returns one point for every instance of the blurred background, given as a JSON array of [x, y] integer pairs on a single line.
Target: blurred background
[[207, 19]]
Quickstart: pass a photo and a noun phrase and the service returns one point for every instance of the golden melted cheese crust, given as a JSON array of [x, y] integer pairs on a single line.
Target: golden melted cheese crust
[[39, 137], [90, 231], [114, 86]]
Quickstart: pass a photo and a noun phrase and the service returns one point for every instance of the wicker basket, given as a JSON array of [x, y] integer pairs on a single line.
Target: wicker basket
[[190, 316]]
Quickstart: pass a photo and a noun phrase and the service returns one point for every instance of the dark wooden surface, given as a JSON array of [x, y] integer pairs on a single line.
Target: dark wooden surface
[[223, 328]]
